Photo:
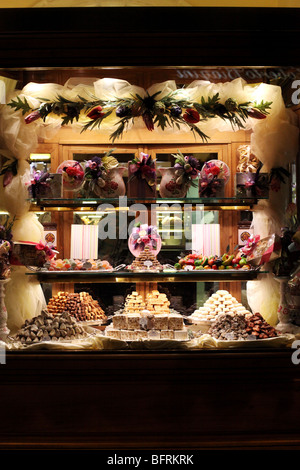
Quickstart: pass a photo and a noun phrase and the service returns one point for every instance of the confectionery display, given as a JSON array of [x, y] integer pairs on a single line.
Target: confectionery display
[[256, 326], [247, 161], [263, 250], [249, 180], [149, 319], [72, 174], [197, 262], [146, 312], [31, 254], [145, 261], [142, 236], [80, 305], [134, 303], [49, 327], [59, 264], [157, 302], [229, 326], [241, 326], [221, 302]]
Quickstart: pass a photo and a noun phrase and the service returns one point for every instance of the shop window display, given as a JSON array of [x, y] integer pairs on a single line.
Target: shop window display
[[139, 218]]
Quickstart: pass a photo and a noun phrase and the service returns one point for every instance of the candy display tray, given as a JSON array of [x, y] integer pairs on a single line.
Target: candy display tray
[[147, 276]]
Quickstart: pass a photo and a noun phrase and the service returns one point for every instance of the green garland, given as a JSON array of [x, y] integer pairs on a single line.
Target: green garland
[[170, 111]]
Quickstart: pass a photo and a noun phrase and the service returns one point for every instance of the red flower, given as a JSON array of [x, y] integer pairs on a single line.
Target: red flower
[[95, 113], [214, 170], [171, 186], [71, 171], [275, 184], [147, 170], [191, 116], [32, 117], [256, 114], [147, 118], [114, 185]]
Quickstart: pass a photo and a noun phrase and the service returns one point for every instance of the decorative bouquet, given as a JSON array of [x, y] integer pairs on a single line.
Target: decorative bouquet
[[44, 184], [214, 175], [143, 167], [251, 244], [142, 176], [97, 173], [72, 174], [144, 235], [249, 181], [31, 254], [44, 252], [278, 176], [252, 184], [187, 169]]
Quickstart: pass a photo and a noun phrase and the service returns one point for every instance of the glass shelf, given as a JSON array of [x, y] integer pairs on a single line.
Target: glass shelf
[[127, 276], [96, 203]]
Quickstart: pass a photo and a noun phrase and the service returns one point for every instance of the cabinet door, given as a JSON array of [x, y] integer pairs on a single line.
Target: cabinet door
[[82, 153], [226, 219]]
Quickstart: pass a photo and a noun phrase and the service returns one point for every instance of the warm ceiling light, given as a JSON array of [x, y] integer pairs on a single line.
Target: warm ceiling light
[[40, 156]]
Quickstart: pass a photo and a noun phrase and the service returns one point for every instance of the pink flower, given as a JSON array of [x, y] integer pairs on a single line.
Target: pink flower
[[32, 117], [92, 165], [133, 167], [40, 246], [143, 158], [7, 179]]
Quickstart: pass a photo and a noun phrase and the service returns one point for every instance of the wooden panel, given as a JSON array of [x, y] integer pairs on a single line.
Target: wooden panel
[[140, 37], [143, 137], [191, 400]]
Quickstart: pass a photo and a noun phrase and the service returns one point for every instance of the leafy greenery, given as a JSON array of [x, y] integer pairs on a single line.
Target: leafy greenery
[[18, 105], [172, 110]]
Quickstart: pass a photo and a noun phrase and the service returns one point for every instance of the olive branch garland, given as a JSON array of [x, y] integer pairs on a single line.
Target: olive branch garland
[[169, 111]]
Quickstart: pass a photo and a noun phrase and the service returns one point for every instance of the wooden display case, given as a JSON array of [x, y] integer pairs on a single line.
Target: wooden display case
[[201, 400]]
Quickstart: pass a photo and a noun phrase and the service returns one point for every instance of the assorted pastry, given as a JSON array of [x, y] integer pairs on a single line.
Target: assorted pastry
[[147, 319], [146, 260], [224, 318], [67, 264], [49, 327], [79, 305], [219, 302]]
